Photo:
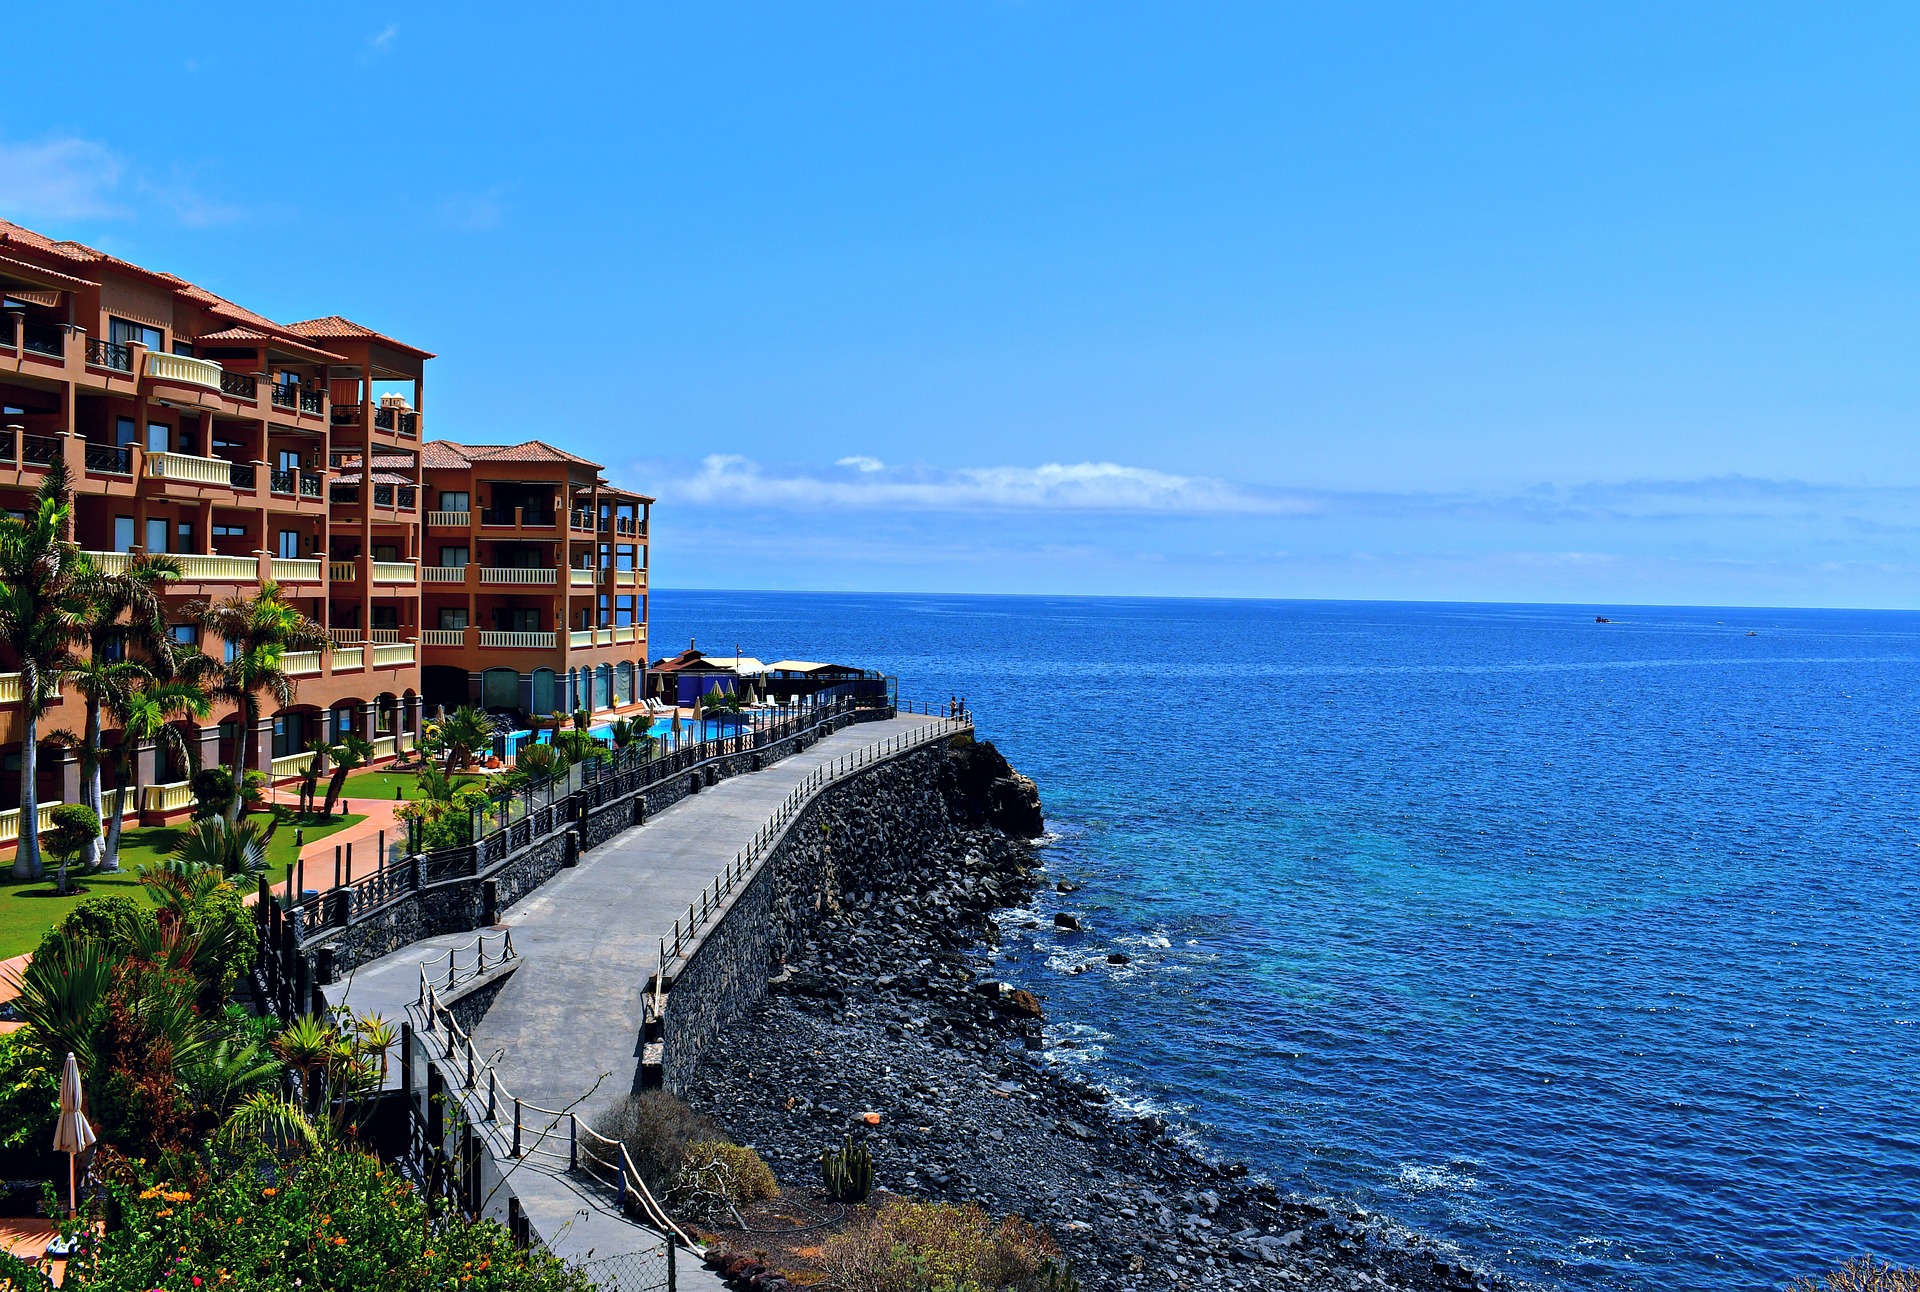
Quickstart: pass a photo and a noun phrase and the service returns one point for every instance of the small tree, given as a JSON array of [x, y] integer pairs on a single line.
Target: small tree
[[352, 751], [465, 733], [75, 827]]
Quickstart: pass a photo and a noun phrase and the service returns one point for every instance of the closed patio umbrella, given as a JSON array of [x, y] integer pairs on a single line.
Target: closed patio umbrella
[[71, 1133]]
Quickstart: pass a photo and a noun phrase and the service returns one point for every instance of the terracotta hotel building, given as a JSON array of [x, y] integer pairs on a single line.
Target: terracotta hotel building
[[511, 576]]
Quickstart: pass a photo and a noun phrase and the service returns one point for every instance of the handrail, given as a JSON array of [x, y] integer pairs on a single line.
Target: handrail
[[480, 1073], [480, 966]]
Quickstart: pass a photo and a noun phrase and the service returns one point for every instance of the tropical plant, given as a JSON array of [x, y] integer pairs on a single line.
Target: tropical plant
[[42, 622], [212, 789], [234, 851], [441, 815], [540, 761], [908, 1246], [352, 751], [146, 715], [259, 632], [465, 733], [75, 828], [257, 1218], [623, 731], [122, 610], [722, 700]]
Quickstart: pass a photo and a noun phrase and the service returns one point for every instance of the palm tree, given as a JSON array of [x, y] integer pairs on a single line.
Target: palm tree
[[259, 631], [122, 610], [352, 751], [465, 733], [104, 684], [42, 621], [146, 714]]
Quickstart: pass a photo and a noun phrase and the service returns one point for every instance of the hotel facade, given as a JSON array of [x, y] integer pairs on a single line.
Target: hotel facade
[[512, 576]]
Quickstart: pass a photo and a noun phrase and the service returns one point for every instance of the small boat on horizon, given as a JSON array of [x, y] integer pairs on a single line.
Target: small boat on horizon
[[1601, 619]]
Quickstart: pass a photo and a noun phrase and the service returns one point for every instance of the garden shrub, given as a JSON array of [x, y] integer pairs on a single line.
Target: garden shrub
[[714, 1170], [212, 789], [659, 1132], [334, 1220], [105, 920], [1863, 1275], [909, 1246], [29, 1093]]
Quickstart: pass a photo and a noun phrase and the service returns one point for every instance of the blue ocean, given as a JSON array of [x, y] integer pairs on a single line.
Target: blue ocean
[[1588, 949]]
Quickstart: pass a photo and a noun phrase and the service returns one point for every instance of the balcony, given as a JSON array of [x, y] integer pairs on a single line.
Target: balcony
[[527, 641], [309, 485], [284, 395], [395, 572], [41, 449], [516, 518], [300, 663], [443, 574], [395, 655], [433, 637], [49, 339], [243, 476], [240, 386], [450, 519], [517, 575], [626, 634], [108, 355], [627, 578], [386, 495], [292, 571], [347, 659], [284, 482], [383, 636], [186, 468], [580, 637], [581, 578], [398, 420], [313, 401], [344, 636], [10, 691], [183, 370], [342, 572], [106, 460]]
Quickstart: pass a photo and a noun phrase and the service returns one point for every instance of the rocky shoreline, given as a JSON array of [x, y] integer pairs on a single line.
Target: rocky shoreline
[[889, 1024]]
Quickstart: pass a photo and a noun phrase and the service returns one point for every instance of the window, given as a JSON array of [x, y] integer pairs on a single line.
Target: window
[[183, 634], [159, 437], [123, 332], [123, 533], [114, 649], [385, 552], [287, 460], [623, 612], [183, 347], [156, 534], [289, 545], [453, 557], [125, 431], [229, 531], [453, 619], [509, 620], [452, 501], [387, 617], [184, 533], [231, 653], [289, 734]]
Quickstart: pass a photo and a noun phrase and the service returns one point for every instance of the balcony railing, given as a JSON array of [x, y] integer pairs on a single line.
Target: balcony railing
[[580, 637], [40, 448], [44, 338], [383, 636], [531, 641], [626, 578], [241, 475], [240, 386], [183, 370], [443, 574], [348, 658], [520, 575], [109, 354], [582, 522], [344, 636], [295, 571], [344, 492], [450, 519], [383, 495], [286, 482], [299, 663], [313, 401], [626, 634], [580, 578], [345, 415], [309, 485], [431, 637], [524, 519], [191, 470], [10, 692], [105, 459], [392, 656], [395, 572], [342, 571], [196, 567], [398, 420], [284, 395]]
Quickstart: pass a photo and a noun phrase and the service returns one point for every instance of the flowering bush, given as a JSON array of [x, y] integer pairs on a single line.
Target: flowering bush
[[336, 1220], [909, 1246]]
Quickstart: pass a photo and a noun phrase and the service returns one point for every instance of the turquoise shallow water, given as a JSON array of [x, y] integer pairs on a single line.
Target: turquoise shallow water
[[1587, 948]]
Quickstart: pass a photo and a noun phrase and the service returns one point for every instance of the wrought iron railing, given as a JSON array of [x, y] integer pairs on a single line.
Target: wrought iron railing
[[239, 385], [242, 475], [385, 418], [105, 459], [109, 354], [313, 401], [44, 338], [285, 395], [409, 498], [309, 485], [409, 423], [383, 495], [283, 481], [344, 492], [345, 415], [41, 449]]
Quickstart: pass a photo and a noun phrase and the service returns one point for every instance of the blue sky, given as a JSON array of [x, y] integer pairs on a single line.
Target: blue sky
[[1606, 304]]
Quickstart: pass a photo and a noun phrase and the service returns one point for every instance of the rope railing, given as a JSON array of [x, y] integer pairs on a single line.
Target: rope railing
[[431, 978], [746, 862], [525, 1135]]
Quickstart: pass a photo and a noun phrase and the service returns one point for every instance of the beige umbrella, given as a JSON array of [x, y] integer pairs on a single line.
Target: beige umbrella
[[71, 1133]]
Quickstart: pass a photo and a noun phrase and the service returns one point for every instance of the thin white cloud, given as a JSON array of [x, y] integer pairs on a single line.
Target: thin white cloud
[[381, 42], [1077, 486], [66, 178], [860, 462]]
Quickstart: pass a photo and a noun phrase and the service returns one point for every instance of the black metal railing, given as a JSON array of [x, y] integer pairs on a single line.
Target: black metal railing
[[239, 385], [285, 396], [39, 448], [313, 401], [44, 338], [383, 495], [309, 485], [346, 414], [527, 519], [409, 423], [282, 481], [241, 475], [384, 418], [105, 459], [409, 498], [109, 354]]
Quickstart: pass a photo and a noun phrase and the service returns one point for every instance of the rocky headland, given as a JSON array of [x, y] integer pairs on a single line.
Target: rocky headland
[[887, 1023]]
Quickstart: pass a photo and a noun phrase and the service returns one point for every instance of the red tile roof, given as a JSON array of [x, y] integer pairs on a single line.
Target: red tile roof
[[335, 328], [451, 454]]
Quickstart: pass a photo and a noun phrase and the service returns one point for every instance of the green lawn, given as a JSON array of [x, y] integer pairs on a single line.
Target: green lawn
[[24, 917], [381, 785]]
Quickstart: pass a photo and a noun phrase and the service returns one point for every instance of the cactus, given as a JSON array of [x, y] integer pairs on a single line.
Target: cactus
[[848, 1171], [1057, 1278]]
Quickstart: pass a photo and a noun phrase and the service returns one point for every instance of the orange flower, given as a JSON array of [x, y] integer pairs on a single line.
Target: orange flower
[[164, 1212], [339, 1240], [268, 1192]]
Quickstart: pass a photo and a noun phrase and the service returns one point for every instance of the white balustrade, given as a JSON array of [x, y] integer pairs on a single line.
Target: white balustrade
[[285, 570], [443, 574], [300, 663], [395, 572], [187, 468], [534, 641], [515, 574], [392, 655], [444, 637], [450, 519], [183, 369]]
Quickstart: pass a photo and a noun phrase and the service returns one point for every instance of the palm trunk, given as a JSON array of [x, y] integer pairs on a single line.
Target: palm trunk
[[90, 782], [26, 858], [110, 857], [240, 760]]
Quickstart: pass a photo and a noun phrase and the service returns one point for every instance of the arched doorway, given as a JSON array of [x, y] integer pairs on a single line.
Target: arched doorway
[[500, 688], [543, 701]]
